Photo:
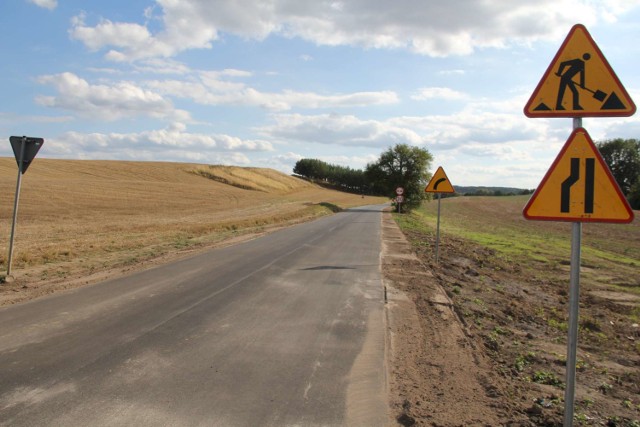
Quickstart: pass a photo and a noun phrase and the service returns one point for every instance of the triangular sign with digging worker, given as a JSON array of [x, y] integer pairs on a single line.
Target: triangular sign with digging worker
[[579, 83], [439, 183]]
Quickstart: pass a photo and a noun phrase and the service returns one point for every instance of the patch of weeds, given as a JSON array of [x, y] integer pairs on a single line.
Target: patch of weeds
[[548, 378], [181, 243], [581, 365], [524, 360], [456, 290], [499, 331], [131, 260], [591, 325], [605, 388], [491, 341], [580, 417], [586, 403], [479, 302], [558, 325]]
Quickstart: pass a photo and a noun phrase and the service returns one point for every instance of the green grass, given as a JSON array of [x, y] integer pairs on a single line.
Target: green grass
[[612, 251]]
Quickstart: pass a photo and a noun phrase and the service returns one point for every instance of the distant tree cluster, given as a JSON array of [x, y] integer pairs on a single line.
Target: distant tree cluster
[[400, 166], [344, 178], [623, 158]]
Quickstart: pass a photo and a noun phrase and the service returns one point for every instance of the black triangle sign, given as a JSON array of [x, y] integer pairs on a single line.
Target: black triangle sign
[[31, 148]]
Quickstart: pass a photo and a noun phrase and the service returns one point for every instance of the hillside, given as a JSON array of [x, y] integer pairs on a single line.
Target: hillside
[[80, 218]]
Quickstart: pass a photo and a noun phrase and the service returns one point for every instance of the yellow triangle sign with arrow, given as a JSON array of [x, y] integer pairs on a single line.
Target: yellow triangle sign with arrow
[[439, 183]]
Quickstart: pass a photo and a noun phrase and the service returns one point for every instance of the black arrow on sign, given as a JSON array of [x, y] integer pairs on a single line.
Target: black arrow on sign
[[435, 186]]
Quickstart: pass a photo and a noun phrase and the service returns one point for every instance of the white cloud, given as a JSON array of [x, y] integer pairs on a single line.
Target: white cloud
[[443, 93], [481, 122], [214, 88], [47, 4], [354, 162], [457, 27], [283, 162], [337, 129], [456, 72], [107, 102], [173, 143], [161, 66]]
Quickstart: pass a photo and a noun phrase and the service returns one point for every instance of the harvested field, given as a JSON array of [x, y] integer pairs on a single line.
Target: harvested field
[[83, 221]]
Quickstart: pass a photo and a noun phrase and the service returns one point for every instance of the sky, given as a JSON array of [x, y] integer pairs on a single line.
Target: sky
[[267, 83]]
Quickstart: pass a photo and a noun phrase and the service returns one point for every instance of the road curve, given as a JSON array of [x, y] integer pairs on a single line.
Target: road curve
[[284, 330]]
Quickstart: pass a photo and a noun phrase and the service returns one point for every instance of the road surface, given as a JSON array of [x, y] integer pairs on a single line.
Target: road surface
[[284, 330]]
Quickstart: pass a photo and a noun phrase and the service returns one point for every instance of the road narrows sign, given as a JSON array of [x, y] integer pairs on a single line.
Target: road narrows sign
[[579, 83], [439, 183], [579, 187]]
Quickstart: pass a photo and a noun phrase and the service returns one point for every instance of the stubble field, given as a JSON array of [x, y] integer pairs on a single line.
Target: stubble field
[[84, 221]]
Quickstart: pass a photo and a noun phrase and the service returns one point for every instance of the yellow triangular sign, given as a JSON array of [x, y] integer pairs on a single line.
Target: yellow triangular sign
[[579, 83], [579, 187], [439, 183]]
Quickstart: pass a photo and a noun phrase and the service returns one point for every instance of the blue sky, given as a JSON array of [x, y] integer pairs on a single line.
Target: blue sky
[[266, 83]]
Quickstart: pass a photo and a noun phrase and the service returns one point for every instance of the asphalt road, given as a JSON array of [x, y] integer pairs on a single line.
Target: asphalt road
[[284, 330]]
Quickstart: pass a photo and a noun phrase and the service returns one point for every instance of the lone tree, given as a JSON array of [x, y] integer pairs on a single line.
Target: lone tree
[[401, 166], [623, 158]]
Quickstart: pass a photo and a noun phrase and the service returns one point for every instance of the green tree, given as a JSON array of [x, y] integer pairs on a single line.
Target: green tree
[[623, 158], [343, 177], [401, 166], [634, 196]]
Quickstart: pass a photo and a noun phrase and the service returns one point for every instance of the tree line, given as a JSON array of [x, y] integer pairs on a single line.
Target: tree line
[[344, 178], [407, 167], [400, 166]]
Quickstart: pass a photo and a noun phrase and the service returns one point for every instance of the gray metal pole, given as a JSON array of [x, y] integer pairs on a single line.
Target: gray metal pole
[[15, 203], [574, 307], [572, 342], [438, 231]]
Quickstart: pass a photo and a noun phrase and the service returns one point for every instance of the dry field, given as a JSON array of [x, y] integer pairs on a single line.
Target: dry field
[[84, 221]]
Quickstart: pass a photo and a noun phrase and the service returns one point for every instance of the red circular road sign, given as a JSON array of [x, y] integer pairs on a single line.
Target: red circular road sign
[[399, 191]]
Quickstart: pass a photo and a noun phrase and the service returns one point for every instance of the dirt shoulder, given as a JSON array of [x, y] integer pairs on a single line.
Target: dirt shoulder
[[439, 374]]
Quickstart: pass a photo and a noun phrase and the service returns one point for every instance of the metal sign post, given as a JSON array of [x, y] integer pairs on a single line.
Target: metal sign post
[[25, 150], [399, 202], [572, 341], [438, 231], [574, 308], [20, 159]]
